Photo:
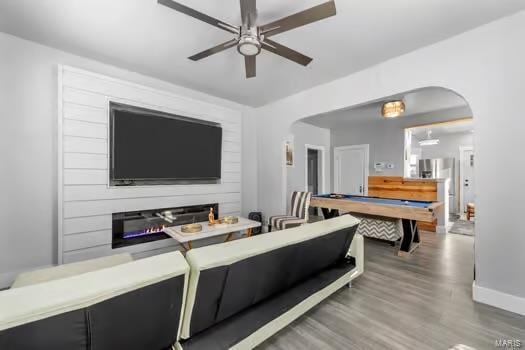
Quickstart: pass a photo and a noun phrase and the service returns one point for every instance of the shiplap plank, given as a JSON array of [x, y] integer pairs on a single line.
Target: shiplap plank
[[231, 146], [148, 253], [233, 136], [85, 99], [232, 157], [231, 177], [85, 129], [87, 240], [85, 161], [102, 192], [86, 224], [134, 92], [89, 208], [99, 177], [86, 254], [84, 145], [74, 111], [228, 167], [229, 207], [85, 177]]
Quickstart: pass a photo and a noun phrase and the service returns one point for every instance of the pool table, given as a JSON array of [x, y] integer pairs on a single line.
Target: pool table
[[408, 212]]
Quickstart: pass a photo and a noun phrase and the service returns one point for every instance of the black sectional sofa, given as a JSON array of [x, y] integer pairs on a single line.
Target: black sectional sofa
[[226, 296]]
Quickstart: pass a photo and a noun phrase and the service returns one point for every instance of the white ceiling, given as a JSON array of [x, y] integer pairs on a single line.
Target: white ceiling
[[148, 38], [417, 104]]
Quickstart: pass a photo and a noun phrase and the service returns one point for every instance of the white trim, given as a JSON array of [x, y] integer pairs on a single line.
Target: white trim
[[498, 299], [462, 149], [322, 188], [366, 149], [407, 152]]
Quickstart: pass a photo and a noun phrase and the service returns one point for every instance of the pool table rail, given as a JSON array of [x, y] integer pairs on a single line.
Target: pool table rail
[[428, 214]]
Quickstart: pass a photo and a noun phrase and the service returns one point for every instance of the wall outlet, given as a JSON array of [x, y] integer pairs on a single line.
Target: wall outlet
[[379, 166]]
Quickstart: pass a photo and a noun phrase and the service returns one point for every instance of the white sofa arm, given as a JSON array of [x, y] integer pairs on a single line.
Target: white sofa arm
[[68, 270], [42, 300], [357, 251]]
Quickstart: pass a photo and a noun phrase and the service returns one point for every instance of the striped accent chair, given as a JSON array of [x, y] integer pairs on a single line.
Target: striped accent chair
[[298, 213]]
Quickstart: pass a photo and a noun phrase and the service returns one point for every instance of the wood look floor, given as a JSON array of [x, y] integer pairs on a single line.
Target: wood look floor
[[420, 302]]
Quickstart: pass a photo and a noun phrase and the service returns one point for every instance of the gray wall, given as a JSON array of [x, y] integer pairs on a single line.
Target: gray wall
[[386, 142], [386, 137], [304, 134], [28, 156], [448, 146]]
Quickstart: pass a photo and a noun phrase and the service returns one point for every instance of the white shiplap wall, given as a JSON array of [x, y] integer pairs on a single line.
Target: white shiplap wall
[[85, 200]]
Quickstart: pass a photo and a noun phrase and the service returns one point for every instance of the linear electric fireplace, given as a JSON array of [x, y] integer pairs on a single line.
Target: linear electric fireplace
[[136, 227]]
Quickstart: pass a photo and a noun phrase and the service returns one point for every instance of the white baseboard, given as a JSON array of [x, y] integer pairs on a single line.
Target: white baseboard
[[441, 229], [498, 299]]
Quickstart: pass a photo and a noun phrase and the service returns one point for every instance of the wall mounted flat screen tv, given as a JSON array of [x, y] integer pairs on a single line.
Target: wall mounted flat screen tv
[[151, 147]]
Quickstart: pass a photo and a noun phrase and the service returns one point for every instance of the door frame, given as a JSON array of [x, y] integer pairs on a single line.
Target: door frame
[[322, 182], [363, 147], [462, 149]]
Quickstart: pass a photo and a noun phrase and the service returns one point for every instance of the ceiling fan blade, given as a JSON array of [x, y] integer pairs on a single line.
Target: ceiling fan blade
[[214, 50], [248, 13], [299, 19], [286, 52], [199, 15], [250, 65]]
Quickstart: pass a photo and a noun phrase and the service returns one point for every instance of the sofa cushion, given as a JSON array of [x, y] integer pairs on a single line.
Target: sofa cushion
[[68, 270], [228, 278], [137, 305], [300, 298], [60, 332]]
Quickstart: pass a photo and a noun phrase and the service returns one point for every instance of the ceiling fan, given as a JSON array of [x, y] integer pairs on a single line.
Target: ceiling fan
[[250, 38]]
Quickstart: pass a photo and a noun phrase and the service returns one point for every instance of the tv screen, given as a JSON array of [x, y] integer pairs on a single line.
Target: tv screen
[[153, 146]]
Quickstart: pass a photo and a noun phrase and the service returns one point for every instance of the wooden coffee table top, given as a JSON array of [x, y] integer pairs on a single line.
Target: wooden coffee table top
[[210, 231]]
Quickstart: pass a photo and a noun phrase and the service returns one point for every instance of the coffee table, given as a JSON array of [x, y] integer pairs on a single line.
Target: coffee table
[[185, 239]]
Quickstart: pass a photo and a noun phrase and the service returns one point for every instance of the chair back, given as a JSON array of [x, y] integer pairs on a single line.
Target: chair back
[[300, 204]]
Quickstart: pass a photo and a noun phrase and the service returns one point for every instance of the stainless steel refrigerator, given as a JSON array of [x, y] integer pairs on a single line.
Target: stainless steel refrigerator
[[441, 168]]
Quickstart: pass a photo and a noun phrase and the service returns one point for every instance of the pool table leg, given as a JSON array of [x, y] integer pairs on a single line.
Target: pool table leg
[[330, 213], [410, 240]]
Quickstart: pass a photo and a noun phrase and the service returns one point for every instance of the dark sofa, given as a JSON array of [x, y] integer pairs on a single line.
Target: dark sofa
[[133, 306], [232, 295], [242, 292]]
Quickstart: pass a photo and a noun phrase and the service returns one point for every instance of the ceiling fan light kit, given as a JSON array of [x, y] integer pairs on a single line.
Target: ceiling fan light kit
[[250, 38], [249, 46]]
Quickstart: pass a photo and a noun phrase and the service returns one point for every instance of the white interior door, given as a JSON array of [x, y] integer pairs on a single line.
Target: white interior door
[[351, 170], [467, 178]]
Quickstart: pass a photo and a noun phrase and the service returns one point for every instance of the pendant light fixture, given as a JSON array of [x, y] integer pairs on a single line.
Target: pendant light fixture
[[429, 141], [393, 109]]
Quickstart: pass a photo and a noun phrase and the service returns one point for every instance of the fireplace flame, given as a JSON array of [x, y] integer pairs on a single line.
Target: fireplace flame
[[145, 232]]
